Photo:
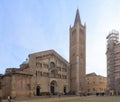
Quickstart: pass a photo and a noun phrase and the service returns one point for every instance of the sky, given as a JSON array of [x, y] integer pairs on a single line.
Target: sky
[[29, 26]]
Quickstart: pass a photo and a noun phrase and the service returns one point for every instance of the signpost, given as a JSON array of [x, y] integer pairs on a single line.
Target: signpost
[[0, 91], [0, 95]]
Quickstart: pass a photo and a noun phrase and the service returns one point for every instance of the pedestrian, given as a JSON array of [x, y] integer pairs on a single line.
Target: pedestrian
[[59, 95], [0, 99], [9, 98]]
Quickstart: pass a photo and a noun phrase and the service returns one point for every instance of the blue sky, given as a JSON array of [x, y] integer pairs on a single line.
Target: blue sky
[[28, 26]]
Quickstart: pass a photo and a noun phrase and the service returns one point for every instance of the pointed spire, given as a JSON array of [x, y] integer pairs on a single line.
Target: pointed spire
[[77, 18]]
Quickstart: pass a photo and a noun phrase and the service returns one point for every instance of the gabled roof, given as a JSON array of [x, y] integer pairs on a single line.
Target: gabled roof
[[48, 52], [92, 74]]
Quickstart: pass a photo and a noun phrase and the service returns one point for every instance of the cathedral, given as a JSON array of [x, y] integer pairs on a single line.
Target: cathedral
[[47, 72]]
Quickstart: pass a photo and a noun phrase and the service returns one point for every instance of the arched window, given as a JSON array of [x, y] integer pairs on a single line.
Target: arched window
[[52, 65]]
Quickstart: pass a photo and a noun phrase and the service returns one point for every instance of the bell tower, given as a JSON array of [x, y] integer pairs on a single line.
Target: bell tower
[[77, 56]]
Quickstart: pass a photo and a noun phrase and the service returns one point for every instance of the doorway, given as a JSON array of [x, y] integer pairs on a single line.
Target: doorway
[[65, 90], [53, 85], [38, 91]]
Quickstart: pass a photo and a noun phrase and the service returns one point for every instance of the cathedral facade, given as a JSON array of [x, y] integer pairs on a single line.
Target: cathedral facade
[[47, 72]]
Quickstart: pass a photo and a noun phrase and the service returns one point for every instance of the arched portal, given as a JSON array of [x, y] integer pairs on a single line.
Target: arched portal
[[38, 91], [53, 86], [65, 90]]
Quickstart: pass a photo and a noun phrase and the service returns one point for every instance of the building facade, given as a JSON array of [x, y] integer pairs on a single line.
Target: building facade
[[95, 84], [43, 73], [113, 62], [16, 84], [77, 56], [47, 72], [50, 72]]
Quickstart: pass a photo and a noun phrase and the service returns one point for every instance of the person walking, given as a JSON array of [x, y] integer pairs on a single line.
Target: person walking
[[9, 98]]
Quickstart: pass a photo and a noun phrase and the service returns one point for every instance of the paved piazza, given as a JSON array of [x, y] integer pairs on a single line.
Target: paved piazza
[[71, 99]]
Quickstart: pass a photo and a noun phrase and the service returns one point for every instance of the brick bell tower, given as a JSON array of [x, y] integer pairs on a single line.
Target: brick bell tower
[[77, 56]]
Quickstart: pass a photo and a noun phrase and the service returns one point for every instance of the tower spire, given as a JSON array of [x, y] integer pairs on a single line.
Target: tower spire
[[77, 18]]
